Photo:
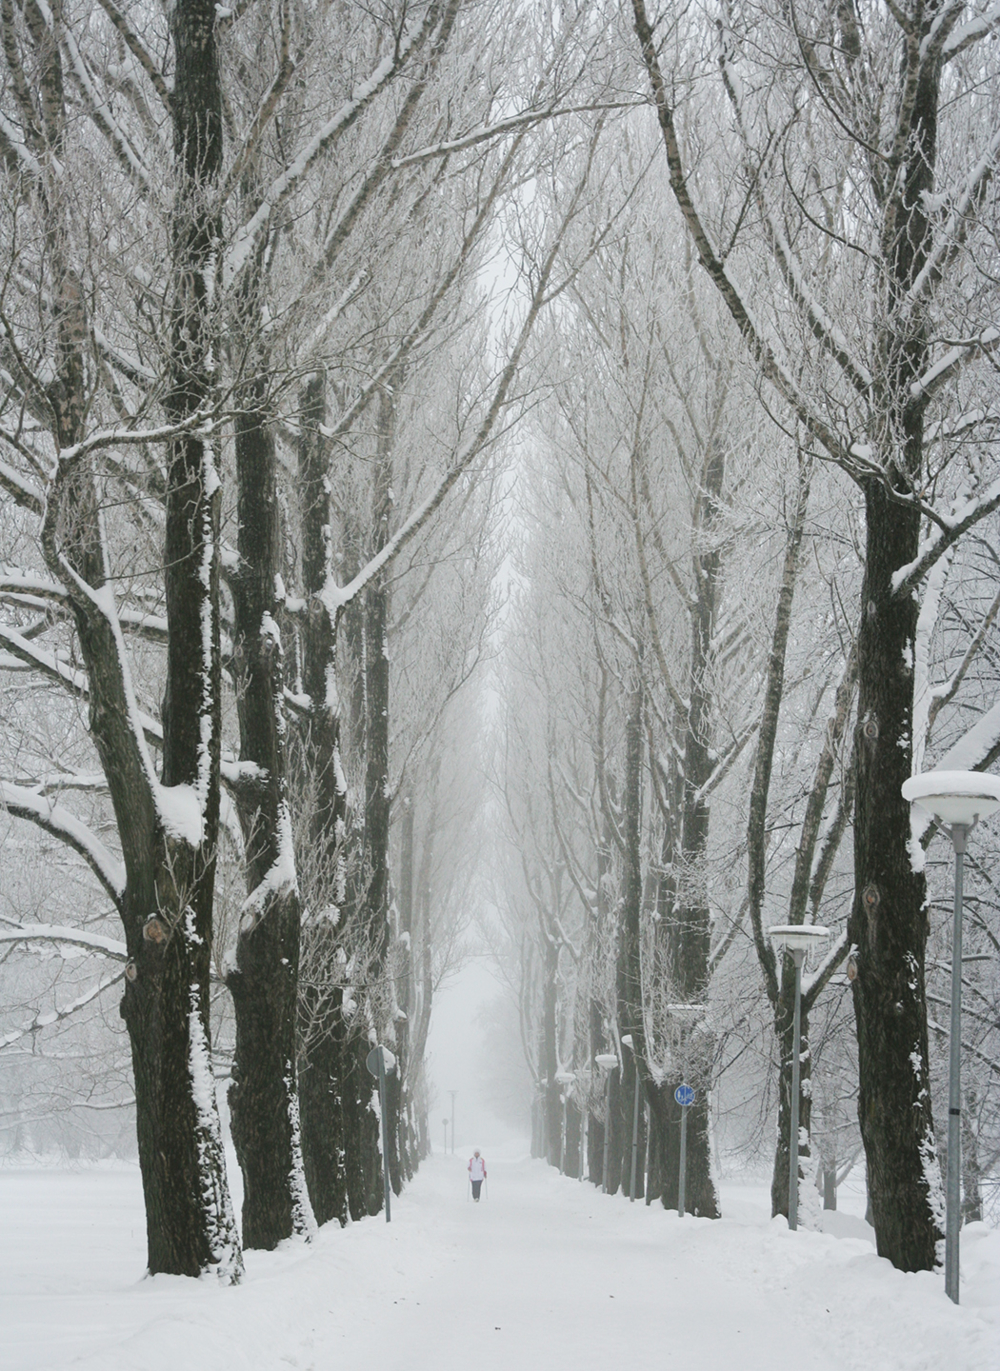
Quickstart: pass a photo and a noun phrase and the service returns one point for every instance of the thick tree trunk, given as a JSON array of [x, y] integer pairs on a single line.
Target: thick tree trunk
[[830, 1186], [549, 1062], [373, 883], [683, 931], [888, 925], [321, 1073], [190, 1225], [700, 1196], [325, 1035], [406, 997], [628, 966], [972, 1193], [263, 1099]]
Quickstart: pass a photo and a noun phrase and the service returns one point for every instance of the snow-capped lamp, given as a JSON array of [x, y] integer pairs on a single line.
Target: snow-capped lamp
[[798, 937], [954, 797], [957, 799], [798, 940]]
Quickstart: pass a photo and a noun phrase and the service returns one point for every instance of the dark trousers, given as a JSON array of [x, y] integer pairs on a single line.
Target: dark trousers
[[476, 1187]]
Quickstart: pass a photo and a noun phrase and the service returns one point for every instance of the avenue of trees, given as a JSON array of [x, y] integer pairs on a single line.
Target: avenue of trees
[[641, 364]]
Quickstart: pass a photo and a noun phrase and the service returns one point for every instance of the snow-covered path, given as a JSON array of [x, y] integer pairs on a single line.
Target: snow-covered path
[[544, 1273]]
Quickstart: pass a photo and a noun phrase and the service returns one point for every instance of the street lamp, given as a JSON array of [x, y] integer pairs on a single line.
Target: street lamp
[[958, 799], [606, 1060], [796, 940]]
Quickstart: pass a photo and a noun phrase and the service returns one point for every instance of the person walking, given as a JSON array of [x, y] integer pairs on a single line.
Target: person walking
[[477, 1173]]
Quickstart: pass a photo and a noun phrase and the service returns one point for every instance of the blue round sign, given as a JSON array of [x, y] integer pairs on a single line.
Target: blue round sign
[[684, 1095]]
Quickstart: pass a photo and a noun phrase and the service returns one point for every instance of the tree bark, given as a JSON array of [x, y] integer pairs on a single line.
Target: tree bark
[[325, 1033], [190, 1225], [263, 1098], [888, 925]]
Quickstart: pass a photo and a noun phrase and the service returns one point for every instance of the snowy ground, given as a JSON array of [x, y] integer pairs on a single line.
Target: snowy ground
[[544, 1273]]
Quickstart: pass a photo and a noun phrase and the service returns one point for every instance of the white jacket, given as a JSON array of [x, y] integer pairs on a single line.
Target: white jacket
[[477, 1168]]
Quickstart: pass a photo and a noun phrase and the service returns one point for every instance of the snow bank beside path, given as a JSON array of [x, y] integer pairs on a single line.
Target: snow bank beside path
[[545, 1272]]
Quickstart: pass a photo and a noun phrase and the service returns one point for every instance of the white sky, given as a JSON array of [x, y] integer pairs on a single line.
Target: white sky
[[458, 1060]]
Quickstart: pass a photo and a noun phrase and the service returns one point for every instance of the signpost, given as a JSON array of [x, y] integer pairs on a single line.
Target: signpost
[[684, 1096], [379, 1061]]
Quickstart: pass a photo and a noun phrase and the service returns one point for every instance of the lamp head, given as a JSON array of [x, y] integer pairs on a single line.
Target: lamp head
[[954, 797], [797, 937]]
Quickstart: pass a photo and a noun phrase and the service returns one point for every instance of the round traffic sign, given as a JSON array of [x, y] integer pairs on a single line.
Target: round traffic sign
[[684, 1095]]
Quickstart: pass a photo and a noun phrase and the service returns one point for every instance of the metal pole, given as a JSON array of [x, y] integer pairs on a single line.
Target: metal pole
[[798, 956], [607, 1136], [953, 1194], [682, 1167], [385, 1132], [635, 1130]]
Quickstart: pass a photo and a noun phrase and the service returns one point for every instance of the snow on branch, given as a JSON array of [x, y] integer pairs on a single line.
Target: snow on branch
[[71, 937], [954, 230], [15, 149], [62, 823], [977, 746], [27, 583], [102, 115], [279, 879], [23, 491], [139, 51], [70, 780], [200, 422], [46, 662], [814, 983], [953, 360], [283, 186], [57, 1015], [485, 132], [940, 29], [977, 749], [965, 35], [947, 531]]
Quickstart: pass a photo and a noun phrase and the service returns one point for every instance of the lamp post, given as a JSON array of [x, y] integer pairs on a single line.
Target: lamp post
[[796, 940], [957, 799], [606, 1060]]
